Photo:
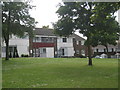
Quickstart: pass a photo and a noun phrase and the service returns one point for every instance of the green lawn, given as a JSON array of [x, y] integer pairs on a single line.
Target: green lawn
[[60, 73]]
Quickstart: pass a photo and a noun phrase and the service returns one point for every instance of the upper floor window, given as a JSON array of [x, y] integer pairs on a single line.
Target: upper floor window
[[44, 39], [64, 39], [97, 50], [77, 42], [47, 39], [36, 39], [82, 42]]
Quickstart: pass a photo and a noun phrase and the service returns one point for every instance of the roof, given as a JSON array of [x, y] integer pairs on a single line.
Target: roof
[[78, 38], [50, 32], [43, 31]]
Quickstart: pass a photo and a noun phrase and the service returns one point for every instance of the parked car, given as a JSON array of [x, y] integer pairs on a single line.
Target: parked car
[[98, 56]]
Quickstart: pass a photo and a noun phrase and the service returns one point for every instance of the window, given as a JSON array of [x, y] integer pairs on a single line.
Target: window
[[44, 50], [112, 49], [64, 39], [77, 42], [109, 50], [27, 48], [82, 42], [97, 50], [77, 51], [104, 50], [83, 52], [43, 39], [101, 50], [36, 39], [94, 50], [47, 39], [3, 49], [63, 52], [50, 39]]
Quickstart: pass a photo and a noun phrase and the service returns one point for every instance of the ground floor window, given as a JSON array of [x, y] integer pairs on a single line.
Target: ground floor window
[[77, 52], [83, 52], [63, 52], [44, 50], [13, 52], [39, 52]]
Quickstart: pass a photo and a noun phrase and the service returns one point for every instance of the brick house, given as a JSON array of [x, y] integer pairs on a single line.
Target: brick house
[[79, 47], [113, 51]]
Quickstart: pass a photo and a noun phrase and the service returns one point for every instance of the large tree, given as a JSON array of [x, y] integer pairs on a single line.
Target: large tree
[[83, 17], [106, 26], [16, 21], [76, 16]]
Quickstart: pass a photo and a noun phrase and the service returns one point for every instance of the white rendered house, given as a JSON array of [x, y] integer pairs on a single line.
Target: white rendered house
[[65, 46], [21, 44]]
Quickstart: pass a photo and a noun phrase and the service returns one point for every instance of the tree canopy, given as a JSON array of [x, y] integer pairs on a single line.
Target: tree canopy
[[47, 27], [16, 20], [107, 28], [91, 19]]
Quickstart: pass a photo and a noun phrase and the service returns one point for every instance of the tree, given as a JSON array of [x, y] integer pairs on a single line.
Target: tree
[[46, 27], [106, 25], [84, 16], [16, 21], [76, 16]]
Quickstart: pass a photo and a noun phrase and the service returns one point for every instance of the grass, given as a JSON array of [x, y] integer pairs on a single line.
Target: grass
[[60, 73]]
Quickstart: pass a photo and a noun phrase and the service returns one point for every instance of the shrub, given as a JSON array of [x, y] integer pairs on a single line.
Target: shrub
[[24, 55]]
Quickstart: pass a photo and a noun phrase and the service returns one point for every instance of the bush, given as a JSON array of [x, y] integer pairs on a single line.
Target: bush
[[24, 55]]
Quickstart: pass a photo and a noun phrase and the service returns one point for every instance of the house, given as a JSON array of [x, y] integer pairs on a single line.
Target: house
[[43, 44], [79, 47], [47, 44], [16, 45], [113, 51]]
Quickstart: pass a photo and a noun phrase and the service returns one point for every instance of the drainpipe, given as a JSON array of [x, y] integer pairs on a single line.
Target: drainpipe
[[35, 46]]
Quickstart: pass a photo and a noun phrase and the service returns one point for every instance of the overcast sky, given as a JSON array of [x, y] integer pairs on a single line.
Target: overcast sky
[[44, 12]]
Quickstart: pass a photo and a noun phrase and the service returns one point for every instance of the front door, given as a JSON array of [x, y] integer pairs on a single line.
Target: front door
[[42, 52], [63, 52]]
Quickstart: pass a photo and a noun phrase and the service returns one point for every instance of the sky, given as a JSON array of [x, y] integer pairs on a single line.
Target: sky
[[45, 12]]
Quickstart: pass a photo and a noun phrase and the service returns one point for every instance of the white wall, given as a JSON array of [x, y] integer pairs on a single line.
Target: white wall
[[22, 45], [101, 48], [71, 51], [68, 45], [50, 52]]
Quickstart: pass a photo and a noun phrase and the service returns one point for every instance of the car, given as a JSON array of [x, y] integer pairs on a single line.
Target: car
[[98, 56]]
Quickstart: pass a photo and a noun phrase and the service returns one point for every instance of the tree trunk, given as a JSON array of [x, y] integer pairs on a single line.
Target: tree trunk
[[7, 49], [107, 51], [89, 56], [7, 37]]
